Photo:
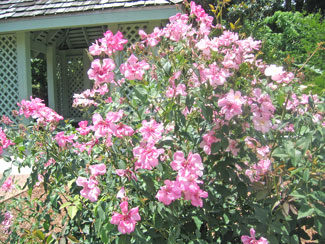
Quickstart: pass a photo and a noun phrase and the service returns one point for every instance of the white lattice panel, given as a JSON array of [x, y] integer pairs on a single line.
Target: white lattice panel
[[59, 87], [74, 76], [9, 93], [131, 31]]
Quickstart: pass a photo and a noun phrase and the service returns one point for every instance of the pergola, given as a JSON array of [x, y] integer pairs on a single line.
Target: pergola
[[62, 30]]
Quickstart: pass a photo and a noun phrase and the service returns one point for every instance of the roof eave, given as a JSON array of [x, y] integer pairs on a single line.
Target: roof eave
[[103, 17]]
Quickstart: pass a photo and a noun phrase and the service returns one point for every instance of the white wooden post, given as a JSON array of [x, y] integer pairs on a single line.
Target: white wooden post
[[24, 65], [51, 77], [86, 67]]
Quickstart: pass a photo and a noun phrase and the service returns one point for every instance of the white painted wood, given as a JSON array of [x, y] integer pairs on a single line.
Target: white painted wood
[[24, 65], [51, 77]]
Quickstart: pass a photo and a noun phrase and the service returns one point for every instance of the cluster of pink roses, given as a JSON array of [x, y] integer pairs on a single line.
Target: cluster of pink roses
[[207, 141], [101, 128], [147, 154], [8, 185], [4, 141], [258, 170], [231, 104], [252, 240], [126, 220], [36, 109], [7, 222], [85, 99], [101, 71], [90, 189], [188, 172], [62, 139], [133, 69], [278, 75], [204, 20], [175, 90], [109, 44], [262, 109]]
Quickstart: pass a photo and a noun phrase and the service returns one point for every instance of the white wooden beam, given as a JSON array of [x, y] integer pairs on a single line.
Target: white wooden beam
[[85, 35], [24, 65], [86, 66], [51, 35], [38, 46], [51, 77], [67, 39]]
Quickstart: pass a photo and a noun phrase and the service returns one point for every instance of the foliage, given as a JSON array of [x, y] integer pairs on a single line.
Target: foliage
[[252, 11], [39, 82], [194, 141], [292, 38]]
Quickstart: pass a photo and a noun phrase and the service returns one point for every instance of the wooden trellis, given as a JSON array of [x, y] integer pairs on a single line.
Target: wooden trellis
[[9, 89]]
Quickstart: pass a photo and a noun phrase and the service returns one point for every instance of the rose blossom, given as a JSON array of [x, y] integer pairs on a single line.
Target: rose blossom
[[126, 220]]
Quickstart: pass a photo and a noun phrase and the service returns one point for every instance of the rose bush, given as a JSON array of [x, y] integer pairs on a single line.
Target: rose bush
[[193, 139]]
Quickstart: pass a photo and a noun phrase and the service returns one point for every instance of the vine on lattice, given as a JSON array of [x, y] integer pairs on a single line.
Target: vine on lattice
[[9, 93]]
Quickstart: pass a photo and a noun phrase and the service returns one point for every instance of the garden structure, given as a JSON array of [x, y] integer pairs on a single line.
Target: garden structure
[[60, 31]]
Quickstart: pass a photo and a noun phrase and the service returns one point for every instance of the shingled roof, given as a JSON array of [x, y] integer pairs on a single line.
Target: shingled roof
[[12, 9]]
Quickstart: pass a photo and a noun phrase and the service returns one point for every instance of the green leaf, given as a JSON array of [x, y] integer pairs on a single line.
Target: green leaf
[[306, 175], [167, 67], [197, 222], [18, 140], [320, 225], [242, 189], [319, 209], [261, 194], [207, 112], [305, 211], [272, 239], [5, 175], [320, 195], [215, 147], [39, 234], [66, 204], [158, 221], [166, 142], [226, 218], [73, 239], [104, 232], [293, 172], [298, 194], [280, 153], [124, 239], [182, 118], [295, 156], [49, 239], [189, 102], [101, 211], [72, 211], [140, 93], [139, 234], [121, 164], [150, 185], [261, 215]]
